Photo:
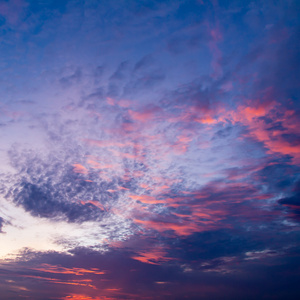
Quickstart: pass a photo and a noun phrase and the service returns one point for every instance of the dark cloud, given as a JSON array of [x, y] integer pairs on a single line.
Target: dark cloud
[[192, 94], [125, 278], [207, 245], [143, 81], [1, 224], [274, 126], [68, 81], [50, 188], [47, 201], [120, 72], [278, 176], [223, 133], [292, 203], [292, 139], [98, 94], [144, 63]]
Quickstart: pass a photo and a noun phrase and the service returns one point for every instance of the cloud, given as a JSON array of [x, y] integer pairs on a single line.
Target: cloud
[[1, 224], [292, 203], [70, 209], [57, 277], [119, 73], [160, 158], [73, 79]]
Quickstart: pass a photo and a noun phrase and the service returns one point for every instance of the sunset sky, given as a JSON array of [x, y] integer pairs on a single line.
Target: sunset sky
[[149, 149]]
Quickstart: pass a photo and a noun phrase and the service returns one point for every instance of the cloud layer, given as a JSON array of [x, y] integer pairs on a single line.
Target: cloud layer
[[150, 150]]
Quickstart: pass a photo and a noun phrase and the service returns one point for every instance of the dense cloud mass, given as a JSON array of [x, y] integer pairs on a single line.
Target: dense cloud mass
[[149, 150], [51, 189]]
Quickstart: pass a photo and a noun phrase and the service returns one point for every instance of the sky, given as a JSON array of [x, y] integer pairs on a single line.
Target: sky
[[149, 149]]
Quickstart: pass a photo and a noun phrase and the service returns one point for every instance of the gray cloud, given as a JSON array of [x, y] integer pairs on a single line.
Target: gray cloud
[[48, 187], [1, 224]]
